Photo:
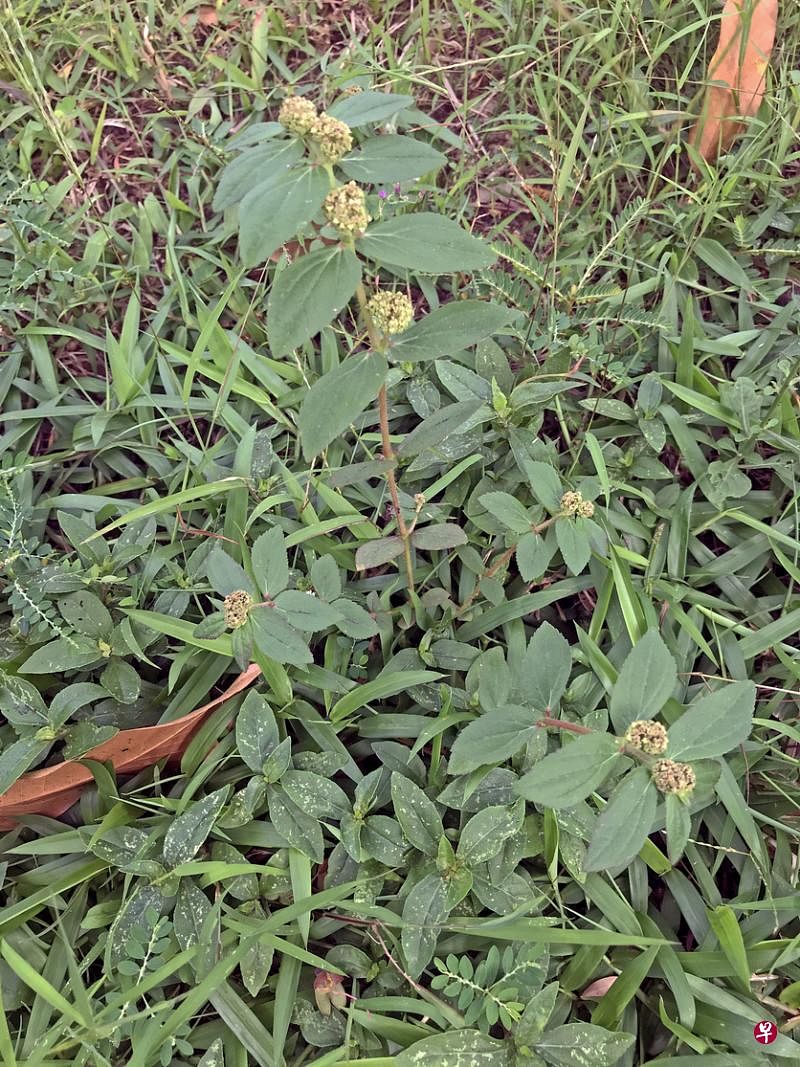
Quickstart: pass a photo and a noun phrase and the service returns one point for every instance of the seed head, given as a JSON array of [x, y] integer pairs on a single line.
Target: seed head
[[571, 503], [236, 607], [672, 777], [298, 115], [649, 736], [346, 209], [585, 509], [333, 138], [391, 312]]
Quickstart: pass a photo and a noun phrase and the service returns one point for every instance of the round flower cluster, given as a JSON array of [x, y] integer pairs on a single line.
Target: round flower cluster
[[572, 503], [649, 736], [333, 138], [672, 777], [235, 608], [391, 312], [346, 209], [298, 115]]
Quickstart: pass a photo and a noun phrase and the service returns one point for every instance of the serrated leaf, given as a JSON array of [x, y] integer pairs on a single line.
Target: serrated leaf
[[417, 815], [391, 158], [452, 328], [492, 738], [276, 638], [309, 294], [336, 399], [714, 724], [262, 164], [226, 575], [274, 211], [368, 106], [376, 553], [545, 484], [425, 242], [573, 542], [534, 553], [438, 537], [645, 682], [355, 622], [270, 562], [624, 824], [546, 669], [507, 510], [305, 611], [564, 778]]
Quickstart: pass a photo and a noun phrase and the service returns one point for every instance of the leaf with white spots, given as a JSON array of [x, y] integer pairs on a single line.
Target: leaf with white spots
[[483, 836], [456, 1048], [424, 911], [189, 830], [583, 1045], [302, 831], [191, 908], [417, 815], [256, 731]]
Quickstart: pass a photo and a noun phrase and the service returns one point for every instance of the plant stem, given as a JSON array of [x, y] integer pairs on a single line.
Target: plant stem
[[386, 441], [562, 724]]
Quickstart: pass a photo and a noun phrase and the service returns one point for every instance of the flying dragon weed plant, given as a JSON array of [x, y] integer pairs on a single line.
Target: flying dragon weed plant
[[313, 177]]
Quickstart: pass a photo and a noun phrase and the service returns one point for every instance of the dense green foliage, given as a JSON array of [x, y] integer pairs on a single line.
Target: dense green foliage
[[472, 423]]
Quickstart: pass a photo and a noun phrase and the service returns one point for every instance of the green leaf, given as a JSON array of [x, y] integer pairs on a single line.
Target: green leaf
[[492, 738], [534, 1019], [188, 831], [391, 158], [315, 795], [545, 669], [484, 835], [424, 910], [226, 575], [63, 654], [302, 831], [336, 399], [456, 1048], [270, 562], [679, 826], [564, 778], [534, 553], [16, 758], [645, 683], [368, 106], [419, 820], [274, 211], [438, 537], [376, 553], [573, 542], [83, 736], [260, 165], [121, 681], [624, 824], [545, 484], [714, 724], [382, 840], [277, 639], [451, 419], [425, 242], [86, 613], [140, 912], [508, 510], [256, 731], [452, 328], [191, 908], [388, 685], [355, 622], [716, 255], [583, 1045], [309, 294], [726, 926], [306, 612]]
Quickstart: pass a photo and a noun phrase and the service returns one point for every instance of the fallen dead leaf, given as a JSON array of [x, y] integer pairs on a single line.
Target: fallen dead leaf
[[52, 790], [736, 74]]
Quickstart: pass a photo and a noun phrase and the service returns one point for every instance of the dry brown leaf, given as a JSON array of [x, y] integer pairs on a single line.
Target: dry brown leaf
[[736, 74], [52, 790], [599, 988]]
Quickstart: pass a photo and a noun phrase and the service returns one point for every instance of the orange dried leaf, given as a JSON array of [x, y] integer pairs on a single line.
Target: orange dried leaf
[[736, 74], [52, 790]]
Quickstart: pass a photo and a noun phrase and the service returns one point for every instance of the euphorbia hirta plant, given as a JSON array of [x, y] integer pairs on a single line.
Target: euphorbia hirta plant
[[313, 178]]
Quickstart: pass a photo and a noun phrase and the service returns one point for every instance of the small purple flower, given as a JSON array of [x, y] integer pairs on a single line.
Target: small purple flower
[[382, 194], [397, 188]]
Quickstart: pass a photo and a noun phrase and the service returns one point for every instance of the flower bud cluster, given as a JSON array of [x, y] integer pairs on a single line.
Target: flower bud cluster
[[391, 312], [236, 607], [298, 115], [648, 736], [672, 777], [346, 209]]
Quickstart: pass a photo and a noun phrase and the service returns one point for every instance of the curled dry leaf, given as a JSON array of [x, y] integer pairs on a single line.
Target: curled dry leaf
[[52, 790], [599, 988], [736, 74]]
